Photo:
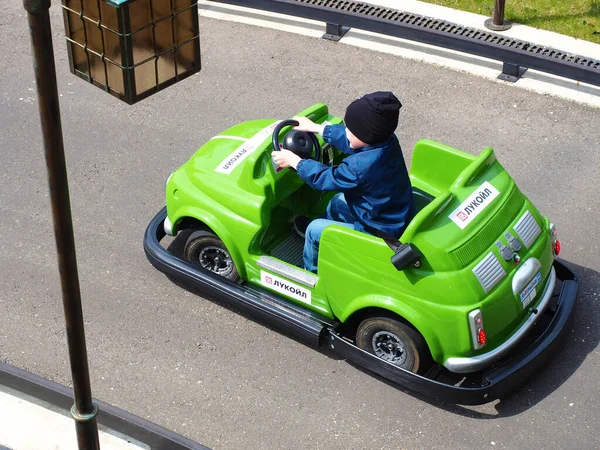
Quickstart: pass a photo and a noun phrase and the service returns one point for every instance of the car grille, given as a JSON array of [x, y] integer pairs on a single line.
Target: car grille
[[527, 229], [489, 272]]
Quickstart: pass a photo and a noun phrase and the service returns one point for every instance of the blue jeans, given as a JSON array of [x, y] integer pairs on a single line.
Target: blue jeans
[[337, 213]]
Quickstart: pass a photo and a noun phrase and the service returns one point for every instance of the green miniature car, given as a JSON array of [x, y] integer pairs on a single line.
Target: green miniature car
[[471, 288]]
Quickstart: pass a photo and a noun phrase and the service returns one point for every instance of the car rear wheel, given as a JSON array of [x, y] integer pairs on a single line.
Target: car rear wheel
[[206, 250], [394, 342]]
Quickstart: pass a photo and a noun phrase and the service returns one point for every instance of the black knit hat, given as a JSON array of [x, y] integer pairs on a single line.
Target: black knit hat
[[373, 118]]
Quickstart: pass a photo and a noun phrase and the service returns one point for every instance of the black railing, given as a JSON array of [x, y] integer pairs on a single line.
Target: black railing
[[516, 55]]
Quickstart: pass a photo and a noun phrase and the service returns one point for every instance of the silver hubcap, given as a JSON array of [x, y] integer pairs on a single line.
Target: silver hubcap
[[389, 347], [216, 260]]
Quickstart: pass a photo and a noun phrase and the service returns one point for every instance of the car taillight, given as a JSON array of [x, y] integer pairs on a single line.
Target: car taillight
[[481, 337], [477, 329], [555, 241]]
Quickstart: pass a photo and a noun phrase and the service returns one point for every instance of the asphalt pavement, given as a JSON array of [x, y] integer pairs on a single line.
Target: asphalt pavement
[[199, 368]]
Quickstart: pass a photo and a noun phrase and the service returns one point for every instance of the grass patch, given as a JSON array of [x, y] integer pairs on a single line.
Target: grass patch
[[577, 18]]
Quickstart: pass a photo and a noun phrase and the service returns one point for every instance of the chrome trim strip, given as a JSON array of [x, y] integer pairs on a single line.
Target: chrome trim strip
[[475, 363], [290, 272]]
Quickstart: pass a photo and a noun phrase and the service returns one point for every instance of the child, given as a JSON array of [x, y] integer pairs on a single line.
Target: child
[[373, 183]]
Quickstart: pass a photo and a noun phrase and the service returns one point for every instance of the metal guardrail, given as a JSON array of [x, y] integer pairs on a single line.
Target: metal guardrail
[[516, 56]]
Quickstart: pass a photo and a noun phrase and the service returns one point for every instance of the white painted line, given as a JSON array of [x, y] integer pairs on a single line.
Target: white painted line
[[28, 424], [532, 80], [250, 16]]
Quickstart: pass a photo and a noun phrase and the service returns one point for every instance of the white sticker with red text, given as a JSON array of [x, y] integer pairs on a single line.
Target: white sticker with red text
[[472, 206], [285, 287], [245, 150]]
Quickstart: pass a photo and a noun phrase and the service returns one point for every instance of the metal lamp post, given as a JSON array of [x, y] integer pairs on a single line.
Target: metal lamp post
[[132, 49], [497, 22]]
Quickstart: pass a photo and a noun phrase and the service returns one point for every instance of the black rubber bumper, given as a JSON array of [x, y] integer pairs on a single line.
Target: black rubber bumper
[[490, 385], [473, 389], [513, 372], [260, 303]]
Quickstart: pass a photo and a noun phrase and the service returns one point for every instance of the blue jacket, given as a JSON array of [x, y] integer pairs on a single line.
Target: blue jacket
[[374, 180]]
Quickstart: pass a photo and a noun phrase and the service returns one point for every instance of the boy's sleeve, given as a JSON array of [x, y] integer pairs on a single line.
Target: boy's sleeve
[[324, 178], [336, 136]]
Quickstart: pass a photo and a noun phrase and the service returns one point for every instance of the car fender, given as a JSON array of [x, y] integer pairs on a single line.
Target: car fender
[[403, 309], [216, 227]]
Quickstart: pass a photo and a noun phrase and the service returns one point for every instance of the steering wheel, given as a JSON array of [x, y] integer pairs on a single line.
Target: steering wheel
[[299, 142]]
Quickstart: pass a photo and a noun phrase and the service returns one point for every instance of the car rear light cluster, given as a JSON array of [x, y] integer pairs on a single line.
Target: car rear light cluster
[[481, 337], [555, 241], [478, 336]]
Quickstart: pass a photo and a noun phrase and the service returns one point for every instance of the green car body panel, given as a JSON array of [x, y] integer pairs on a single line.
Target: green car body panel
[[231, 186]]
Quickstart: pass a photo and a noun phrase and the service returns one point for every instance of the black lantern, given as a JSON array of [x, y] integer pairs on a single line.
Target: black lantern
[[132, 48]]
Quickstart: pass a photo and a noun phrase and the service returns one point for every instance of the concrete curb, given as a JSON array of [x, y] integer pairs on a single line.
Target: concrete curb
[[34, 415], [532, 80]]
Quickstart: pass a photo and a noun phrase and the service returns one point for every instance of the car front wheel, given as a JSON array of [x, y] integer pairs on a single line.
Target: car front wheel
[[206, 250], [394, 342]]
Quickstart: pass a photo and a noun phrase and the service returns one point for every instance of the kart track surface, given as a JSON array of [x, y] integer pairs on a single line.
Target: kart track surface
[[202, 369]]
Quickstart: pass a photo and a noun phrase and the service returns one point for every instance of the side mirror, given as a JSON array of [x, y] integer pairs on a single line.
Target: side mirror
[[406, 255]]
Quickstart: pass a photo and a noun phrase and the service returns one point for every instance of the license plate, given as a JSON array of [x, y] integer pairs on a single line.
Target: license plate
[[528, 294]]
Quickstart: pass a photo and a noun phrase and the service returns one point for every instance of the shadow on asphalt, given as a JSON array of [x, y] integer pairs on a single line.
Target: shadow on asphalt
[[583, 338]]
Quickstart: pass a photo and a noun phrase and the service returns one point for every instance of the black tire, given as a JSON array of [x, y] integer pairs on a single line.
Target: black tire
[[395, 342], [206, 250]]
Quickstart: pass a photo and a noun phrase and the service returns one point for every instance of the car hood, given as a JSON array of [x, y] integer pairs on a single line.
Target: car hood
[[225, 155]]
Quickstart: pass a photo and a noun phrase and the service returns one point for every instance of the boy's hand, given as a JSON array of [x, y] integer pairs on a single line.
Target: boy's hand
[[285, 158], [305, 124]]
